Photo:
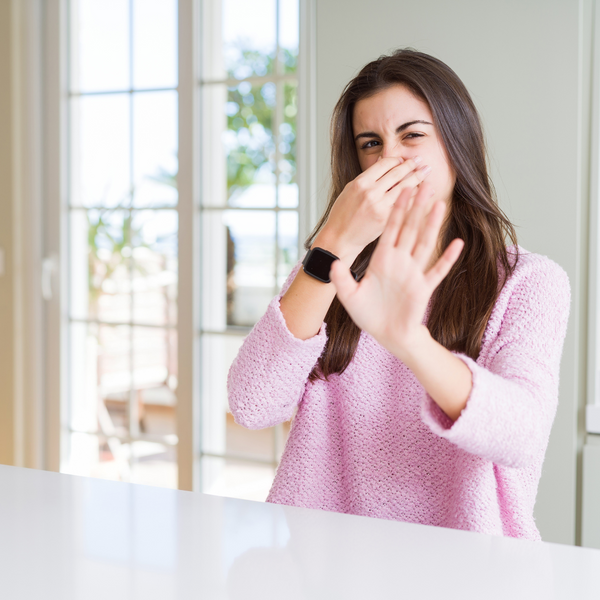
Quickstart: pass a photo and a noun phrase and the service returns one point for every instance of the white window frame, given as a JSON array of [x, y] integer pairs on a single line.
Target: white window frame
[[55, 117], [55, 166]]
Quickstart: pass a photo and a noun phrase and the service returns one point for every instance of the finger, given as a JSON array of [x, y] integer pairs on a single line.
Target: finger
[[442, 267], [412, 180], [380, 157], [395, 219], [412, 223], [379, 168], [345, 284], [412, 197], [398, 173], [428, 237]]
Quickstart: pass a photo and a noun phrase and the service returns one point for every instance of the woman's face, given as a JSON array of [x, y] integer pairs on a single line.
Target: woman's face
[[394, 122]]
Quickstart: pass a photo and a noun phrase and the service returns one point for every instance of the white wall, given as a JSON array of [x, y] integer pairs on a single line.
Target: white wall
[[526, 64]]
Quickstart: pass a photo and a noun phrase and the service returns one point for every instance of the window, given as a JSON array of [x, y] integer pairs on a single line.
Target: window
[[123, 225], [249, 215], [129, 293]]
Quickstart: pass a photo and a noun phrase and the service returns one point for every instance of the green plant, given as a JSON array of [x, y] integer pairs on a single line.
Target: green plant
[[251, 143]]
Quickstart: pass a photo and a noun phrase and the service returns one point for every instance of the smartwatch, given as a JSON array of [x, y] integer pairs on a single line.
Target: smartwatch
[[317, 264]]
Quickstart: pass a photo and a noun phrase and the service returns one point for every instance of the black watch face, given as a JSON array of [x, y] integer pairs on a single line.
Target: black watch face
[[319, 264]]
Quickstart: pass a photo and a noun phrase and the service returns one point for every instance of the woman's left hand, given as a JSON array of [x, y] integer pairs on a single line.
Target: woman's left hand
[[390, 300]]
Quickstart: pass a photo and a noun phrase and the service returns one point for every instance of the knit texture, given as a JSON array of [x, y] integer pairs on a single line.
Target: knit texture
[[372, 442]]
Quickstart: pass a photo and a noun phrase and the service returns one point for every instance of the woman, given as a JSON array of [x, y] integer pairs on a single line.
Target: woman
[[426, 389]]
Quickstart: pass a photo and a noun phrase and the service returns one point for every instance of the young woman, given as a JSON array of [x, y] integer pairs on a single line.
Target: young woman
[[426, 389]]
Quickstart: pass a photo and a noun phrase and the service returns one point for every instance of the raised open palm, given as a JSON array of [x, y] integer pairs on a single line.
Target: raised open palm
[[390, 300]]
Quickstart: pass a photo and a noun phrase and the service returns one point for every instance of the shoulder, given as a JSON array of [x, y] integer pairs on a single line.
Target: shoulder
[[535, 275], [537, 290]]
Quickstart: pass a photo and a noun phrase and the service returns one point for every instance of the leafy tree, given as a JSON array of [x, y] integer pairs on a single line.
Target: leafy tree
[[250, 139], [250, 145]]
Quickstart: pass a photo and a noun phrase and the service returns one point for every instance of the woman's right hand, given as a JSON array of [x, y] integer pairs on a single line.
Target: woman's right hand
[[357, 217], [361, 211]]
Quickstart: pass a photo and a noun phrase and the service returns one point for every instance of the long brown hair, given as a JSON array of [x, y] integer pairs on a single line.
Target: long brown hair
[[463, 302]]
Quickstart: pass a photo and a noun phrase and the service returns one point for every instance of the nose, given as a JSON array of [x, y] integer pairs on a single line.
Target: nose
[[392, 150]]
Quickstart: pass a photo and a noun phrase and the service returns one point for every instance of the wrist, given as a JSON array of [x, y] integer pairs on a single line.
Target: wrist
[[412, 351], [344, 252]]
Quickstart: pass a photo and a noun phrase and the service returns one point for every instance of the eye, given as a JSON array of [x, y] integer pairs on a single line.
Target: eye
[[369, 144], [413, 135]]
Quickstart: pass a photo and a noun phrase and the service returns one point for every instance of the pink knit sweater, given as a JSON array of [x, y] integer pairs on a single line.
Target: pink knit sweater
[[372, 442]]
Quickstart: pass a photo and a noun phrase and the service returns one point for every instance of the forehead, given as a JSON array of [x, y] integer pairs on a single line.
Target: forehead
[[390, 107]]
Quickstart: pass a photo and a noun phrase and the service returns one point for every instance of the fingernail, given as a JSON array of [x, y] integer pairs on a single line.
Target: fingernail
[[417, 159], [426, 170]]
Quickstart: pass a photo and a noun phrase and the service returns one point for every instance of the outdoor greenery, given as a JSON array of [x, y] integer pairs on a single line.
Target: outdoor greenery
[[250, 147], [250, 139], [112, 236]]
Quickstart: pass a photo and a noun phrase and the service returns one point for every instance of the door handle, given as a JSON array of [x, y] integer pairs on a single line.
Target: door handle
[[48, 269]]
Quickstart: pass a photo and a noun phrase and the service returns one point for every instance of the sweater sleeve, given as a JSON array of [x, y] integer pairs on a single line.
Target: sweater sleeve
[[266, 380], [512, 404]]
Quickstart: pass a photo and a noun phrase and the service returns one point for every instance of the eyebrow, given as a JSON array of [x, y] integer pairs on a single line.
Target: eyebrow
[[400, 129]]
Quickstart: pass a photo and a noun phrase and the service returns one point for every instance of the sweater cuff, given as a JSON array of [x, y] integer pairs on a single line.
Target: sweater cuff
[[440, 423]]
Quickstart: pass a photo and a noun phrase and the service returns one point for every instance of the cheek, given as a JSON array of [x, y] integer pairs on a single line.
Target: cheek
[[366, 161], [444, 176], [442, 180], [447, 177]]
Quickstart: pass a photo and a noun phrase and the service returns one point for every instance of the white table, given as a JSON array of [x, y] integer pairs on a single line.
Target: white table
[[65, 537]]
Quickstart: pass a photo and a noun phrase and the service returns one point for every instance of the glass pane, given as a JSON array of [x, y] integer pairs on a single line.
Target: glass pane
[[100, 279], [288, 34], [216, 270], [97, 456], [154, 43], [154, 240], [100, 152], [84, 260], [237, 479], [114, 379], [288, 186], [287, 234], [155, 379], [249, 37], [249, 145], [154, 464], [84, 383], [218, 352], [254, 443], [100, 378], [155, 149], [214, 134], [99, 45], [251, 265]]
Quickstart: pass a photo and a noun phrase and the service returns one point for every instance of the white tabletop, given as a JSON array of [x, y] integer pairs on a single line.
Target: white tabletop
[[64, 537]]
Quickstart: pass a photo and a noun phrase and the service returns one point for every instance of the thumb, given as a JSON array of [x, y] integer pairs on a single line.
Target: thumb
[[345, 284]]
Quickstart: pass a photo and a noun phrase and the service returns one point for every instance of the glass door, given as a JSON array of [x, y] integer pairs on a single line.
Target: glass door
[[123, 226], [249, 215]]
